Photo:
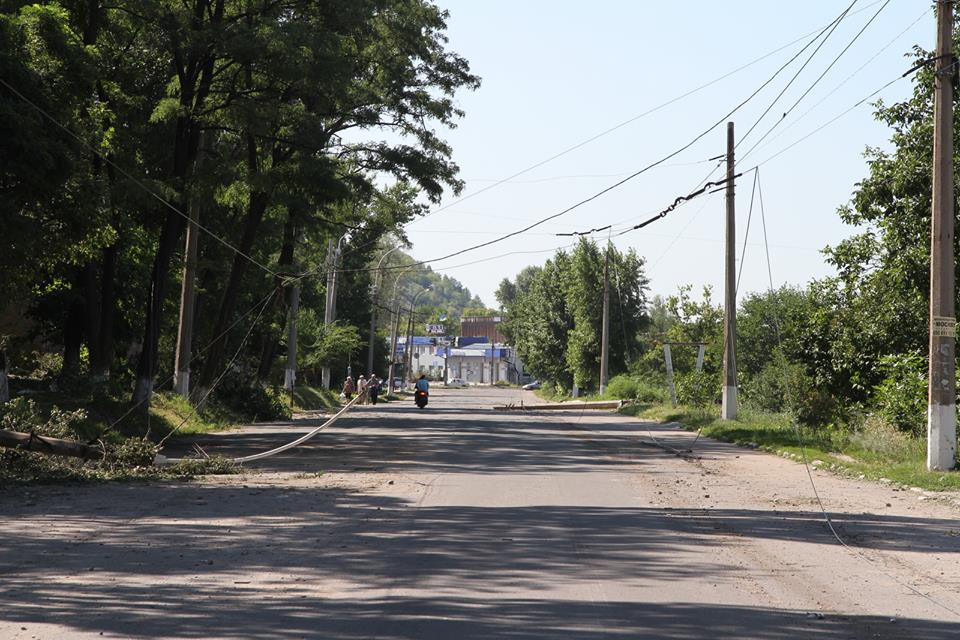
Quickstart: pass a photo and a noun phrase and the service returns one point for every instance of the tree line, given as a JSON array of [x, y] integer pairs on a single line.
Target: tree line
[[849, 345], [281, 124]]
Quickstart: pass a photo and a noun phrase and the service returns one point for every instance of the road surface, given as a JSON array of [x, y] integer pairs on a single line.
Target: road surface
[[460, 522]]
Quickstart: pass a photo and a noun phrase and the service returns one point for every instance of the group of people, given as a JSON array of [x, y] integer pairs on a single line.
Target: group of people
[[367, 388]]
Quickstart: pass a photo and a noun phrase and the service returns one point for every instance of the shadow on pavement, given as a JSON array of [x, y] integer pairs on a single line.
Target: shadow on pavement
[[255, 562]]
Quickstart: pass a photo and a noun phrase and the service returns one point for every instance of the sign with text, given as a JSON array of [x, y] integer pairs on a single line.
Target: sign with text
[[436, 329]]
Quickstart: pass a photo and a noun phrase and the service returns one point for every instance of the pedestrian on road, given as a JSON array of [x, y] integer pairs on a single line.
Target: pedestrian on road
[[373, 388], [362, 389], [348, 388]]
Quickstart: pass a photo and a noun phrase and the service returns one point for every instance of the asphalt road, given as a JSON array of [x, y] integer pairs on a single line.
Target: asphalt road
[[461, 522]]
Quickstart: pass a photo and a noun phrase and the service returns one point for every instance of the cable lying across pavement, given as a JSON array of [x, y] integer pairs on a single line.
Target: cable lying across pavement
[[272, 452]]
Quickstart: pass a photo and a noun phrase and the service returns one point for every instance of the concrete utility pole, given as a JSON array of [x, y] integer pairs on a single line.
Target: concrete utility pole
[[729, 407], [605, 331], [375, 299], [290, 375], [330, 310], [188, 294], [942, 399], [393, 349], [328, 307]]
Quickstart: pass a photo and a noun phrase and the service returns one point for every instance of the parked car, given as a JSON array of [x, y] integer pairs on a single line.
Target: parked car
[[532, 386], [455, 383], [398, 383]]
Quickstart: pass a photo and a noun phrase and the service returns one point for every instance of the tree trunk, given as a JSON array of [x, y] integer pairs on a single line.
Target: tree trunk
[[271, 342], [91, 311], [100, 365], [185, 151], [4, 377], [52, 446], [72, 337], [149, 355], [215, 354]]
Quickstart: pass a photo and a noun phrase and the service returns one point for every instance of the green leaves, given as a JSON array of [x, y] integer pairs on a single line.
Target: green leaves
[[554, 313]]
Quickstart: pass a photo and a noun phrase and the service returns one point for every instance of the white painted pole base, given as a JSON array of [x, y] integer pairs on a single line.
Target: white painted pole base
[[729, 407], [289, 379], [325, 377], [181, 384], [941, 437]]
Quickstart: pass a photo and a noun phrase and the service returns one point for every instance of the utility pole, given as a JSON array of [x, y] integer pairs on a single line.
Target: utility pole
[[942, 399], [328, 310], [393, 349], [375, 299], [729, 406], [290, 375], [188, 294], [605, 331]]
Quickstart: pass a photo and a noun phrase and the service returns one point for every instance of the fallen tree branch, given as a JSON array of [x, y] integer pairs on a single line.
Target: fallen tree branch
[[53, 446]]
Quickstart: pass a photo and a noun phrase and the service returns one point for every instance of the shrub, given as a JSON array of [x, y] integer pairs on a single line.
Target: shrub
[[901, 398], [622, 387], [697, 389], [879, 436], [786, 387], [252, 401], [637, 388]]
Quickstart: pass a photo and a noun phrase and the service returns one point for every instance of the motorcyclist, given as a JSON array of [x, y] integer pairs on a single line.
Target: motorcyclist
[[423, 384]]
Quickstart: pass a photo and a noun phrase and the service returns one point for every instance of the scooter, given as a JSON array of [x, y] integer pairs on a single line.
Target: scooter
[[420, 398]]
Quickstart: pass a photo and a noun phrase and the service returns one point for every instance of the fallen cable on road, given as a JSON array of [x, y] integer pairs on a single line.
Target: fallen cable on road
[[163, 460]]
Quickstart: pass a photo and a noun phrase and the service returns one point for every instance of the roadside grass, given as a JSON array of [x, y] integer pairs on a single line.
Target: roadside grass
[[898, 460], [306, 398]]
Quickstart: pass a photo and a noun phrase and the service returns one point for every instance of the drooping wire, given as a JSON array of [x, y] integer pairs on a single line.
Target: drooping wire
[[818, 32], [815, 82]]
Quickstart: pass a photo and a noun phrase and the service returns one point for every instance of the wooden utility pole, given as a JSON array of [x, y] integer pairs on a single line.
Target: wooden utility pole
[[605, 331], [729, 406], [188, 294], [941, 393]]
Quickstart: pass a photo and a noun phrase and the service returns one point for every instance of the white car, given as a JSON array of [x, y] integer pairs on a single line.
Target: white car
[[533, 386], [455, 383]]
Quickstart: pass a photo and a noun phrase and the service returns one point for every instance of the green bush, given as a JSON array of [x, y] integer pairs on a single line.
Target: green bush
[[251, 401], [786, 387], [901, 398], [633, 387], [697, 389], [622, 387]]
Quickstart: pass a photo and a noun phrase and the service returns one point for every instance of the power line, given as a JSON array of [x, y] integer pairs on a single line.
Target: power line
[[817, 81], [849, 77], [650, 111], [832, 27]]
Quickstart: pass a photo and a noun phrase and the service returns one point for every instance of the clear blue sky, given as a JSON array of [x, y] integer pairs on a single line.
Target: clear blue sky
[[558, 72]]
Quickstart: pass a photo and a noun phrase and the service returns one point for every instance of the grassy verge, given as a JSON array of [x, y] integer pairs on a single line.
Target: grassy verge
[[873, 454], [314, 399]]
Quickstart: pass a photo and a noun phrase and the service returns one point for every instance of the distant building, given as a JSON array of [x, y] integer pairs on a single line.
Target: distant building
[[482, 326], [471, 359]]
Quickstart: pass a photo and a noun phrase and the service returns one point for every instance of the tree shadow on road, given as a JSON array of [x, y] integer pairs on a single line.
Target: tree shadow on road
[[281, 562]]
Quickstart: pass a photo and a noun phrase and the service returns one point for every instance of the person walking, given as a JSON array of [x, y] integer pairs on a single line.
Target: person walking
[[362, 389], [348, 388], [373, 388]]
